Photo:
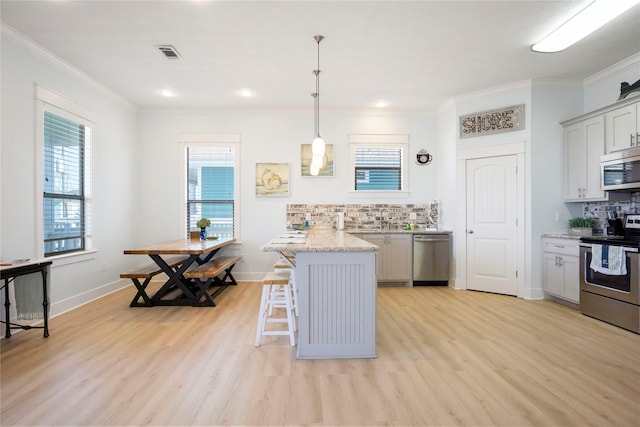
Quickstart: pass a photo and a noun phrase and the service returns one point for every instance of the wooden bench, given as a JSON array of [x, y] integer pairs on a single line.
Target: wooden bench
[[207, 275], [147, 273]]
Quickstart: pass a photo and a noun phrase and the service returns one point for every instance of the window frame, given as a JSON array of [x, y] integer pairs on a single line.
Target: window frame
[[52, 102], [379, 141], [204, 140]]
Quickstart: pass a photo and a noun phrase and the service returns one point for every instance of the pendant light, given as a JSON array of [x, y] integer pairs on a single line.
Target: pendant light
[[317, 147]]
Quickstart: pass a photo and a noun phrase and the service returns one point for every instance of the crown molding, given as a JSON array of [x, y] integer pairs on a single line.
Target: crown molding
[[493, 90], [615, 68], [20, 40], [564, 83]]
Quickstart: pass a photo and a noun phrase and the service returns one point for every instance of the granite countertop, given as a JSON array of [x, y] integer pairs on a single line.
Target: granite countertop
[[561, 236], [398, 231], [323, 240]]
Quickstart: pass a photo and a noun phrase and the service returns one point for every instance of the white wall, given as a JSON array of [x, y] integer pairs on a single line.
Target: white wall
[[603, 88], [552, 102], [268, 137], [24, 65]]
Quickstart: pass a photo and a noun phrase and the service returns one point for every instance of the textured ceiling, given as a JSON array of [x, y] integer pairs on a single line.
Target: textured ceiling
[[413, 54]]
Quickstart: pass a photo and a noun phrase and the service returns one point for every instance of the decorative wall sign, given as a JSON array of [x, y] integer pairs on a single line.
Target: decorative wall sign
[[272, 179], [305, 160], [495, 121], [423, 158]]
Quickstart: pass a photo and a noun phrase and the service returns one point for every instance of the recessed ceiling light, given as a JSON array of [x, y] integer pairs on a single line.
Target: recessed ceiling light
[[381, 104], [167, 93], [589, 19], [246, 93]]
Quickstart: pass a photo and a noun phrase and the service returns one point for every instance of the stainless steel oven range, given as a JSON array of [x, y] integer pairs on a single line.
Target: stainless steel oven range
[[613, 298]]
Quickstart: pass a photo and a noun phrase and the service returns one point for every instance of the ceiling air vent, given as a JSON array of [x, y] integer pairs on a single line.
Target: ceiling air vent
[[169, 51]]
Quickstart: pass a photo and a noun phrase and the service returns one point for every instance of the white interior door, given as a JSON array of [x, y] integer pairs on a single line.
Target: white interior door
[[492, 201]]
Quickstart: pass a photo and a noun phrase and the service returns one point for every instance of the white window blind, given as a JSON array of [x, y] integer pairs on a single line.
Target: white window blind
[[65, 175], [378, 164], [378, 168], [211, 186]]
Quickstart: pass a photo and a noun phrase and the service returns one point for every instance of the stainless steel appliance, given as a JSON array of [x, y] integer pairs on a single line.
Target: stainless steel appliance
[[613, 298], [621, 170], [431, 259]]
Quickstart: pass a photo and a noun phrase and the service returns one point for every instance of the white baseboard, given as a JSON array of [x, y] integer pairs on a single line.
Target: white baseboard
[[76, 301]]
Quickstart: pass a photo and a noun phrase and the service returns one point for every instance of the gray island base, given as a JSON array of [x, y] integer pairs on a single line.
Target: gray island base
[[335, 274]]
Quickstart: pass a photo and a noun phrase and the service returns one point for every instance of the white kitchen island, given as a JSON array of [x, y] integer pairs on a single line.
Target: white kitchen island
[[335, 274]]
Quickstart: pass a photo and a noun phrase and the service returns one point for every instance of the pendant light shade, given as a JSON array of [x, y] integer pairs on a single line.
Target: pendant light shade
[[317, 161], [318, 146]]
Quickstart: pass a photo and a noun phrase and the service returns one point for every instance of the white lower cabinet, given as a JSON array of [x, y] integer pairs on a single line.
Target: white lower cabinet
[[395, 256], [561, 268]]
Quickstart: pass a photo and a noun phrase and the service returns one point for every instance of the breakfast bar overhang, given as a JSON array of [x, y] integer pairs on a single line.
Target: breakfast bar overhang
[[335, 274]]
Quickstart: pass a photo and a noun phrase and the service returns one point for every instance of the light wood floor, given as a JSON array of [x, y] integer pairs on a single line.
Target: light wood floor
[[445, 358]]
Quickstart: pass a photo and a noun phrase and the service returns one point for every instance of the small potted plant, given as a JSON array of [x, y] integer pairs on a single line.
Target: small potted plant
[[581, 226], [203, 223]]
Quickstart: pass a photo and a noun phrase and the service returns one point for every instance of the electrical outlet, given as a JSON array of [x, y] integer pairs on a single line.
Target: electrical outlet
[[412, 215]]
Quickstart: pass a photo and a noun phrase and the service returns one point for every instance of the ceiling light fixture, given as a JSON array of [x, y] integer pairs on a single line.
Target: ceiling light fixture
[[167, 93], [317, 147], [589, 19], [246, 93]]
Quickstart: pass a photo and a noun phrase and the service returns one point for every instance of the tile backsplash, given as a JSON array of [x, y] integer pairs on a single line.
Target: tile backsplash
[[601, 210], [365, 216]]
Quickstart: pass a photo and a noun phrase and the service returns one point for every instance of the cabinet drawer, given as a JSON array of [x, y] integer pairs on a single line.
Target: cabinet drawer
[[561, 246]]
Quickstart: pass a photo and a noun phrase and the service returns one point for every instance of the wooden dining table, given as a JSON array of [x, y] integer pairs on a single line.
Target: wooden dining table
[[195, 252]]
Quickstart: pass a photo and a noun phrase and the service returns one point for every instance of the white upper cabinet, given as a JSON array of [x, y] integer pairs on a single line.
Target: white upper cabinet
[[589, 136], [623, 128], [584, 144]]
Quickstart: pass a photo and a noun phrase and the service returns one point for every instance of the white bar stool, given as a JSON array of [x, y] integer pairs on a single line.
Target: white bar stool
[[281, 266], [282, 293]]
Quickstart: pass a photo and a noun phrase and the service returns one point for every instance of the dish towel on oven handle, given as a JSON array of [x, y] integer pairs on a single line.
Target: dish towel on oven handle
[[610, 260]]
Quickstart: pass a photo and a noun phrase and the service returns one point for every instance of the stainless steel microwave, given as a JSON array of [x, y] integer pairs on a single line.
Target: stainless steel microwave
[[621, 170]]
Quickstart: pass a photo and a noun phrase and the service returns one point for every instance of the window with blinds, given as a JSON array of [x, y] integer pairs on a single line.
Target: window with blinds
[[378, 168], [211, 187], [65, 144]]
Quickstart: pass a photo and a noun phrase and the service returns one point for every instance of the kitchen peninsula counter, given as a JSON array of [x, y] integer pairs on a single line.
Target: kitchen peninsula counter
[[335, 274], [320, 240]]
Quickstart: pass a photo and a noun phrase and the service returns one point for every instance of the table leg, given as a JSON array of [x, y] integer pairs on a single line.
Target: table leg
[[141, 293], [45, 302], [7, 304]]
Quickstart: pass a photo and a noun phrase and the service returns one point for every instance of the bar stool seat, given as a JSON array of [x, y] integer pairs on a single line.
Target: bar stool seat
[[276, 292]]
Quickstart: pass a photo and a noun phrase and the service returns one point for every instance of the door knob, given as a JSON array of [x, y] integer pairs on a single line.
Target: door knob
[[470, 231]]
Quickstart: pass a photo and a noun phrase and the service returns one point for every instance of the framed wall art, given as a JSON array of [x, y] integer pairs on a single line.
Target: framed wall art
[[272, 179], [305, 160]]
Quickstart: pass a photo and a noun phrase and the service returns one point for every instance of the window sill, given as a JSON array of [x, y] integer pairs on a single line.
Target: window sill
[[66, 259], [386, 194]]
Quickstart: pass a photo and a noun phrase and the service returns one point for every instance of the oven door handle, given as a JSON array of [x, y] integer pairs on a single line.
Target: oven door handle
[[626, 248]]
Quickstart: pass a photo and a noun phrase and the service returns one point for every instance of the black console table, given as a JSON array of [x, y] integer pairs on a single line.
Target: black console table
[[13, 269]]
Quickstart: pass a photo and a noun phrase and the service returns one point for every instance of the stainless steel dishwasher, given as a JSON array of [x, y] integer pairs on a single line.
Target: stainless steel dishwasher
[[431, 259]]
